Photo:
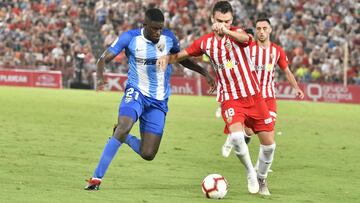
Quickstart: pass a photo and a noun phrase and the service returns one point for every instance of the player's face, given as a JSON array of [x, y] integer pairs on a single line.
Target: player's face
[[224, 18], [153, 30], [263, 31]]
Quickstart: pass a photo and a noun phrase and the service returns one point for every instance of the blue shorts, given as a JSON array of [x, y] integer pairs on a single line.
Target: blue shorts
[[151, 112]]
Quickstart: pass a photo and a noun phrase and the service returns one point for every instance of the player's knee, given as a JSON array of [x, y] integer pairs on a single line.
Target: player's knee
[[148, 156], [122, 131], [266, 138], [240, 146], [268, 151], [269, 148]]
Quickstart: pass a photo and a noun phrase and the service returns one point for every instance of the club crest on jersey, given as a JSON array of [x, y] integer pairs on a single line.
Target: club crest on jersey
[[160, 47], [228, 44], [272, 56]]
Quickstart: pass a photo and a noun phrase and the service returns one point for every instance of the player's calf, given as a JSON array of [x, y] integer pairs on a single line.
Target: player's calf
[[247, 139]]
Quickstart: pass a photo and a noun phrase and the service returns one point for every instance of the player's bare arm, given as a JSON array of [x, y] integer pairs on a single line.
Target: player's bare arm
[[239, 36], [290, 77], [173, 58], [190, 64], [104, 59]]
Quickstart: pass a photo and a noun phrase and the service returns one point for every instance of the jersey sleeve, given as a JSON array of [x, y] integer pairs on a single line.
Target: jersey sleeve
[[175, 44], [283, 60], [195, 48], [120, 43]]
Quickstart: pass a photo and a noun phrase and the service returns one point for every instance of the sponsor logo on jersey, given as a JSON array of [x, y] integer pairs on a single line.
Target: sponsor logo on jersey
[[145, 61], [267, 67], [160, 47], [226, 64], [228, 44]]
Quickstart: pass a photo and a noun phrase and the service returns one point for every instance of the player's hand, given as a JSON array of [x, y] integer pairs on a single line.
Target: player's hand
[[219, 28], [299, 94], [162, 62], [100, 84], [210, 80]]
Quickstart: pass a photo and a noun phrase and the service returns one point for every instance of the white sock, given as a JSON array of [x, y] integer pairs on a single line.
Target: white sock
[[242, 151], [266, 156]]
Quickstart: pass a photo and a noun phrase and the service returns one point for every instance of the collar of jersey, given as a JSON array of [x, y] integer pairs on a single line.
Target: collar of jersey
[[143, 36]]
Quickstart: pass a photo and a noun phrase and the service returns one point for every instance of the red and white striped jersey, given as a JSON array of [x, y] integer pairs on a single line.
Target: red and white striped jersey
[[232, 64], [265, 61]]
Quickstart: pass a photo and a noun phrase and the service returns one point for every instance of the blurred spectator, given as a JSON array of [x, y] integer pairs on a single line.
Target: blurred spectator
[[312, 32]]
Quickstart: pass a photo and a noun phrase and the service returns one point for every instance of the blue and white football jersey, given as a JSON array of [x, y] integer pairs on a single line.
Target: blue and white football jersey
[[142, 55]]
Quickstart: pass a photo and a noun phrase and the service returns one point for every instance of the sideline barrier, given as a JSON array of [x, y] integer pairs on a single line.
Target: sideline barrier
[[31, 78], [336, 93]]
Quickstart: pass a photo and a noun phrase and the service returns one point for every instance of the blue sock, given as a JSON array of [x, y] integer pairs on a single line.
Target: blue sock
[[108, 154], [133, 142]]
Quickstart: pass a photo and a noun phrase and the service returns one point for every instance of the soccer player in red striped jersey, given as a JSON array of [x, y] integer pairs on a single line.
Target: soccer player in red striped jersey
[[266, 55], [238, 89]]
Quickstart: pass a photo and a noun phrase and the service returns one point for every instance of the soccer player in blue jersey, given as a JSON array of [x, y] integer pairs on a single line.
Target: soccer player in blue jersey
[[147, 90]]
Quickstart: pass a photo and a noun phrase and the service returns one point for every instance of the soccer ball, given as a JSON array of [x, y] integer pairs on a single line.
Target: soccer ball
[[214, 186]]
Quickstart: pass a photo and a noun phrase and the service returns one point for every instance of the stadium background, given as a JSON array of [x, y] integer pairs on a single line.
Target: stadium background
[[69, 35]]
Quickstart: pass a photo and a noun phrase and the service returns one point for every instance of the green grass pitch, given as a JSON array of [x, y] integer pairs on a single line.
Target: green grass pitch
[[51, 140]]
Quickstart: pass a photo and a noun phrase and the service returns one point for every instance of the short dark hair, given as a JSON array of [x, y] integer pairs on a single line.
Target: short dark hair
[[223, 7], [154, 14], [249, 31], [263, 17]]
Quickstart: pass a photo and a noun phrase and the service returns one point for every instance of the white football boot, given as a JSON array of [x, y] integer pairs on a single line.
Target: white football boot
[[253, 184], [263, 187]]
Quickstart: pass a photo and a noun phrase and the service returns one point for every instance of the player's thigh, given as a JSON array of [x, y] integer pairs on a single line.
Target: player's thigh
[[130, 109], [132, 104], [150, 144], [258, 117], [266, 137], [249, 131], [152, 123], [233, 115]]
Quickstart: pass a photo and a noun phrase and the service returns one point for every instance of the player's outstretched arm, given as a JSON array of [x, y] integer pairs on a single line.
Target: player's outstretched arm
[[190, 64], [105, 58], [172, 58], [290, 77]]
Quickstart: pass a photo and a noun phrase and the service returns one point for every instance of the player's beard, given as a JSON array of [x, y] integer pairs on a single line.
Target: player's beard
[[263, 40]]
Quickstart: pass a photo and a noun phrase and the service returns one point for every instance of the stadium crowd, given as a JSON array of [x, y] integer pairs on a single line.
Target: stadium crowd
[[47, 34]]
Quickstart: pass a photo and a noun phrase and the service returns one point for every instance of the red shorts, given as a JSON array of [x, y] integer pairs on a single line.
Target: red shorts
[[252, 112], [271, 104]]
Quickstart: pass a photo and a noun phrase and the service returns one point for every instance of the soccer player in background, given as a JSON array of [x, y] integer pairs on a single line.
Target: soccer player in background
[[147, 90], [266, 55], [237, 90]]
